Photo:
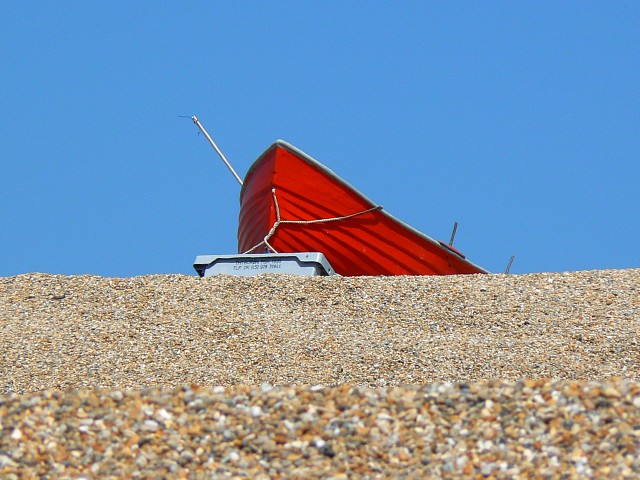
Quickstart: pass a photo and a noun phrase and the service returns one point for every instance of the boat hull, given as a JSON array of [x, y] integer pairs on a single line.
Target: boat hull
[[286, 181]]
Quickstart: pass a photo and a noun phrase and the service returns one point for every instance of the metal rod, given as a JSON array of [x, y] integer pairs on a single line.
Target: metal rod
[[453, 234], [215, 147], [510, 262]]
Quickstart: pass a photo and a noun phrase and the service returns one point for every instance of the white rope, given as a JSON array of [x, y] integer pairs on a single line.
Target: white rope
[[279, 222]]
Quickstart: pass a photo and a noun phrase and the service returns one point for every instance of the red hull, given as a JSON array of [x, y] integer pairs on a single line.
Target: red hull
[[372, 243]]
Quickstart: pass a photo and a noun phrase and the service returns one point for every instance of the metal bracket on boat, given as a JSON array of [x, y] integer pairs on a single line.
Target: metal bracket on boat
[[305, 263], [453, 234]]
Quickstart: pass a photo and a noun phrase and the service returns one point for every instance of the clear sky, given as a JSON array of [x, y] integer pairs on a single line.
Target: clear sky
[[519, 120]]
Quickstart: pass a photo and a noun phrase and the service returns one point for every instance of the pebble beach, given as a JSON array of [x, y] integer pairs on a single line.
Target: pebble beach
[[173, 376]]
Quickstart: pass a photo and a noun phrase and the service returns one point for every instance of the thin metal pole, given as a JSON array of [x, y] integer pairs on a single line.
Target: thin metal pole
[[453, 234], [213, 144], [510, 263]]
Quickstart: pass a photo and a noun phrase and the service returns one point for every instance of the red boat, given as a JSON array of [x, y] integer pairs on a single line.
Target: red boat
[[292, 203]]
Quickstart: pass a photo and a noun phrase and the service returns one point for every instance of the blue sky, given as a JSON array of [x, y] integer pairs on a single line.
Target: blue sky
[[519, 120]]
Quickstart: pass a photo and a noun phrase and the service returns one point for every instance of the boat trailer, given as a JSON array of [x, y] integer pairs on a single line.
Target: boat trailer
[[249, 264]]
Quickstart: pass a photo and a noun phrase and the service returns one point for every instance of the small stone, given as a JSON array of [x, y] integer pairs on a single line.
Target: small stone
[[255, 411], [327, 451], [611, 392], [150, 426], [489, 433], [265, 443], [319, 443]]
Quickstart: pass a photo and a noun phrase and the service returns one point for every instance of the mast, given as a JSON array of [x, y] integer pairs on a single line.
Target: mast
[[215, 147]]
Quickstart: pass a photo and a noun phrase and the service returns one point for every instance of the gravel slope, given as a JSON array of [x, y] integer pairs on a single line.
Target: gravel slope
[[122, 336]]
